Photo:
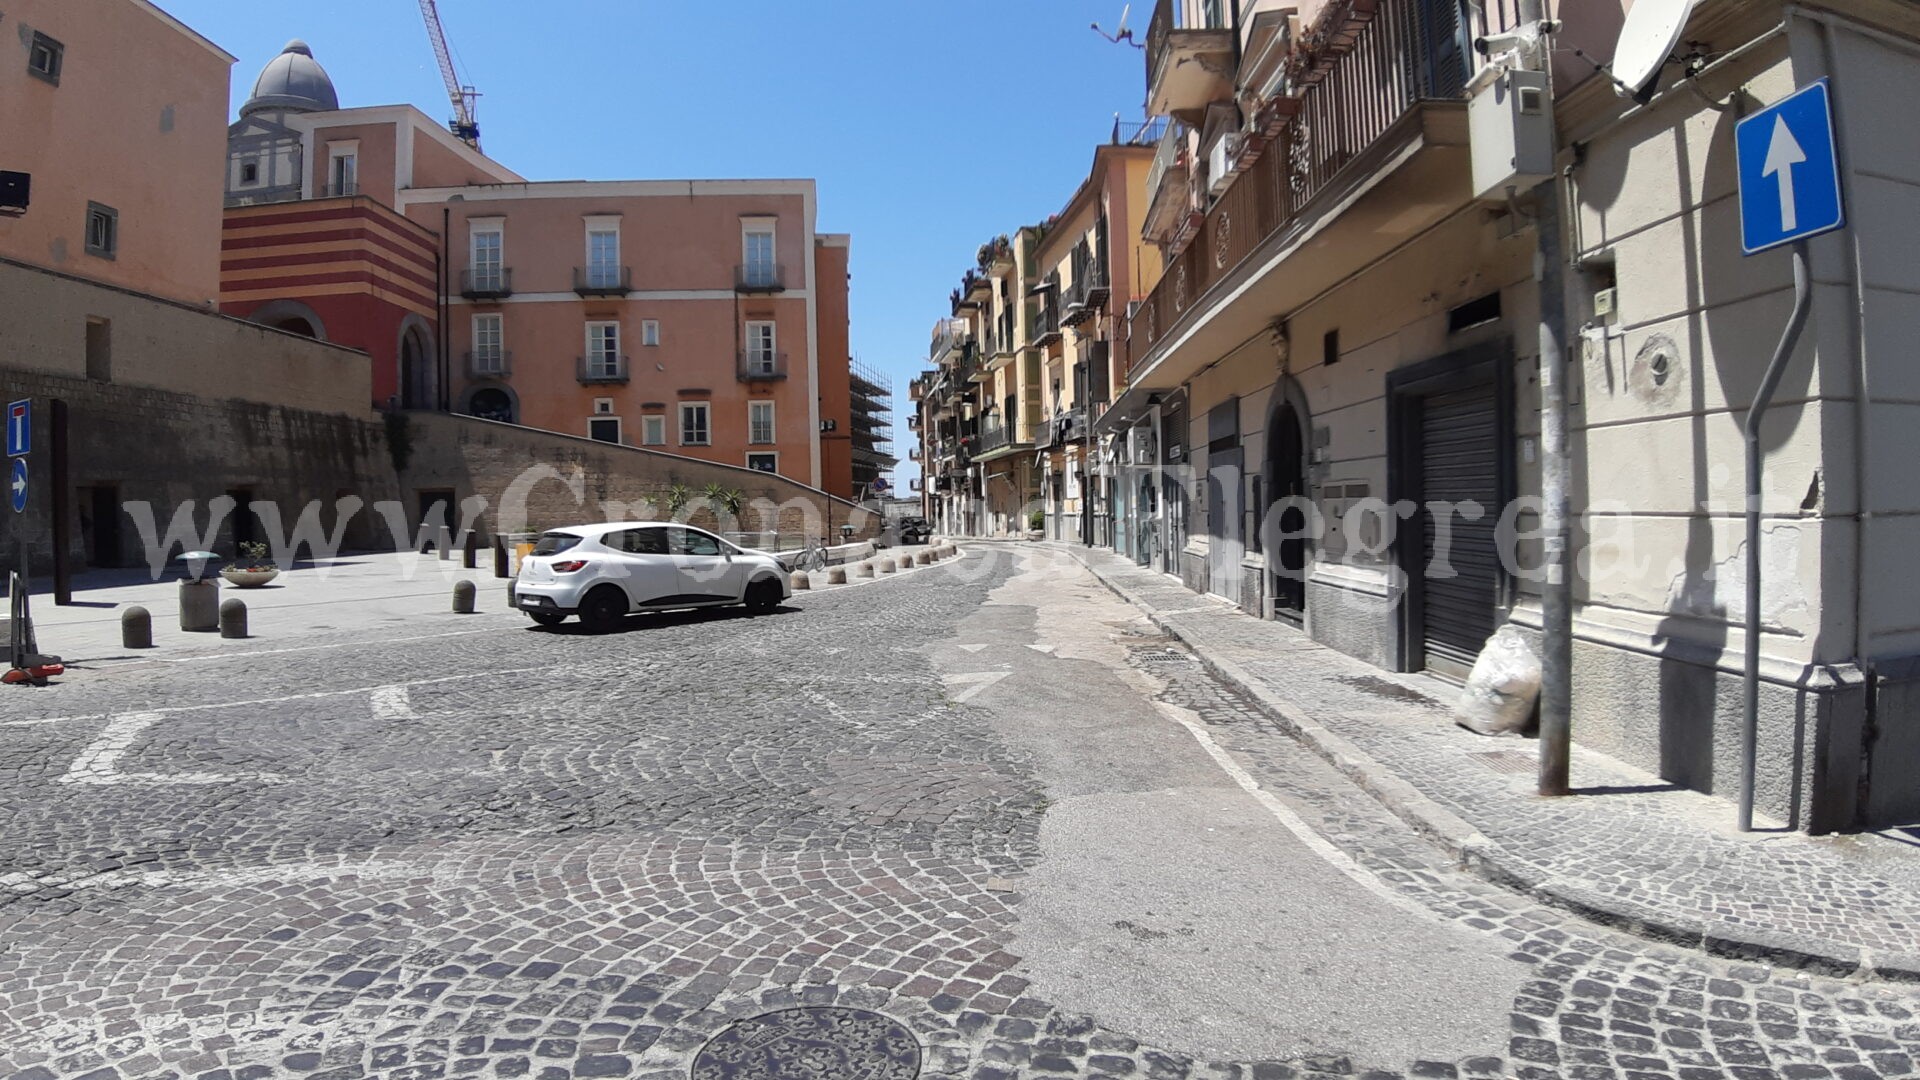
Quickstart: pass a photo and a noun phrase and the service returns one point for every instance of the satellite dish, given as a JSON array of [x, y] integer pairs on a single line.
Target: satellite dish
[[1648, 38]]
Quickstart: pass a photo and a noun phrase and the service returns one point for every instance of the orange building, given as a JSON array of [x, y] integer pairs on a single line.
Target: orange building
[[144, 88], [700, 317]]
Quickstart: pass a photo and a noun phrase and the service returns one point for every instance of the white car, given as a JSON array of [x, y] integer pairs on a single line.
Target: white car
[[603, 573]]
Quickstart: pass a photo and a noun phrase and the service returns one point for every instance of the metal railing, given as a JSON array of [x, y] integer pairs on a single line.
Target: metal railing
[[1043, 326], [759, 277], [602, 369], [1359, 95], [490, 363], [1169, 155], [1138, 132], [951, 334], [603, 280], [487, 283], [339, 190], [757, 365], [1166, 19]]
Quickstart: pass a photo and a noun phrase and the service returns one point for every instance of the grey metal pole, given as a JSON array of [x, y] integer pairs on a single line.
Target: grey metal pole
[[1750, 718], [1556, 593]]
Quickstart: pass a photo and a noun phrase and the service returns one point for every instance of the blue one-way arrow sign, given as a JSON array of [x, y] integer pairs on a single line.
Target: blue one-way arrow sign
[[1789, 171], [17, 486]]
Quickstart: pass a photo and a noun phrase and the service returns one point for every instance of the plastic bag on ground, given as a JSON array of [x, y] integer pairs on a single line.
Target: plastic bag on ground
[[1500, 691]]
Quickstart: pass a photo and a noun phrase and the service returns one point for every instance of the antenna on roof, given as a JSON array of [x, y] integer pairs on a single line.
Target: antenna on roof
[[1121, 34]]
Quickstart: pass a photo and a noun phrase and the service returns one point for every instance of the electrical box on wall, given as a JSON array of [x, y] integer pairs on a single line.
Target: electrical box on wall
[[1510, 127]]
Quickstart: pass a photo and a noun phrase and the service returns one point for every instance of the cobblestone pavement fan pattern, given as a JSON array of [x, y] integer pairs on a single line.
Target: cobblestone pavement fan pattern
[[1670, 852], [556, 856]]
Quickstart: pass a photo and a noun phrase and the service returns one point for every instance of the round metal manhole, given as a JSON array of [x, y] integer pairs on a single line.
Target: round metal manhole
[[821, 1043]]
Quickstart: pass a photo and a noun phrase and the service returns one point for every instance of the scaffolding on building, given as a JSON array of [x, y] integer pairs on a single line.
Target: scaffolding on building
[[871, 431]]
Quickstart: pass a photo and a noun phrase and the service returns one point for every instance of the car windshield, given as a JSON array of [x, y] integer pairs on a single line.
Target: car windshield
[[554, 543]]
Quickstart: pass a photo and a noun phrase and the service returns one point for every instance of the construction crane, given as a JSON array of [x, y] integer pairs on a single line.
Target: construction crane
[[463, 124]]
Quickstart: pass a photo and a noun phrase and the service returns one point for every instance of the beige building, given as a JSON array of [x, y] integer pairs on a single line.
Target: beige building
[[1344, 323]]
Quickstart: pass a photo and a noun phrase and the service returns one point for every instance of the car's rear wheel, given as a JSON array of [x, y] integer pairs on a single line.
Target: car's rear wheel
[[603, 609], [763, 596], [546, 618]]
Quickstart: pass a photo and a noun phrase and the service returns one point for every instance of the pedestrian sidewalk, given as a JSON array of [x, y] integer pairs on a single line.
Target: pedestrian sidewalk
[[1628, 849]]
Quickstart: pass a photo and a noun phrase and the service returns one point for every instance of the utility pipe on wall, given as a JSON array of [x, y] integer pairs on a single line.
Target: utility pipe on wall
[[1750, 719]]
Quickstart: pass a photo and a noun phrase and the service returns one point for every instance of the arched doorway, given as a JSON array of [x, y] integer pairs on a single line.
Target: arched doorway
[[292, 317], [491, 403], [418, 384], [1288, 549]]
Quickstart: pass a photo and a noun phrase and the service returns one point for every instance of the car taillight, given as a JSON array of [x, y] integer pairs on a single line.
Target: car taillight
[[569, 566]]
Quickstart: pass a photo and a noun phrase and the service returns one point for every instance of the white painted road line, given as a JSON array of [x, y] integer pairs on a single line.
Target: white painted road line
[[975, 682], [99, 763]]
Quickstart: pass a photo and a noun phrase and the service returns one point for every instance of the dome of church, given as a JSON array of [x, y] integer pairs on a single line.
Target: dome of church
[[294, 81]]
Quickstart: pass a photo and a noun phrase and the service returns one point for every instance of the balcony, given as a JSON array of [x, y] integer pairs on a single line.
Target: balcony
[[756, 365], [487, 283], [603, 370], [1089, 291], [603, 280], [1188, 67], [338, 189], [489, 364], [1169, 186], [1044, 327], [1383, 157], [949, 337], [759, 278]]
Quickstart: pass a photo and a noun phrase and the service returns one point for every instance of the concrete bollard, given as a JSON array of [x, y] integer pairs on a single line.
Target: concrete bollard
[[136, 628], [863, 569], [837, 575], [200, 605], [469, 549], [500, 557], [884, 566], [463, 597], [233, 618], [922, 558], [512, 601], [800, 581]]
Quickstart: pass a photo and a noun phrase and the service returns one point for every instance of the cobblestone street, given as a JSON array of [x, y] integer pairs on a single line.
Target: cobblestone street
[[987, 799]]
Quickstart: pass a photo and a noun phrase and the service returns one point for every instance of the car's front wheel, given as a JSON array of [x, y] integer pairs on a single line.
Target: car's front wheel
[[763, 596], [546, 618], [603, 609]]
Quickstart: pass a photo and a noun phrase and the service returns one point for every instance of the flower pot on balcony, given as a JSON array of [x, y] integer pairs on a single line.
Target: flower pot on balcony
[[249, 577]]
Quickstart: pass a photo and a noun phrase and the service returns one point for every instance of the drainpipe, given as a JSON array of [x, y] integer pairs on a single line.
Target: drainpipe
[[444, 270], [1750, 723], [1556, 594]]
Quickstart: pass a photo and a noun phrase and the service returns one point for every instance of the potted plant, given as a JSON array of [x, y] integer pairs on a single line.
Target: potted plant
[[253, 568], [1037, 525]]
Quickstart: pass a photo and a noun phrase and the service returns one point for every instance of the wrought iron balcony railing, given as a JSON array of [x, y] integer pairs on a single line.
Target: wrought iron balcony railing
[[759, 278], [487, 283], [490, 363], [603, 280], [760, 366], [602, 368]]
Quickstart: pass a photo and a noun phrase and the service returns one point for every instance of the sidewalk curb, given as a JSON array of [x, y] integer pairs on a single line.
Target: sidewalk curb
[[1491, 862]]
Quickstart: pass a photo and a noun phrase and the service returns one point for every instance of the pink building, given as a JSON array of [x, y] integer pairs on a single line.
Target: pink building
[[682, 315]]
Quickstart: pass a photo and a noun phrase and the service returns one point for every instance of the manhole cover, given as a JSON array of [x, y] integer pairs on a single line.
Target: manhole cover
[[811, 1044]]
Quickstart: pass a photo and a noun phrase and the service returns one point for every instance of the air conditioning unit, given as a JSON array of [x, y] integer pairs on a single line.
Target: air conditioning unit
[[1220, 162]]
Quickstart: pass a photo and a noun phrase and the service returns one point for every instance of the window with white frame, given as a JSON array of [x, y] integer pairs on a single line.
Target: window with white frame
[[653, 430], [764, 462], [489, 353], [757, 258], [696, 427], [483, 257], [762, 359], [603, 350], [603, 256], [759, 421], [604, 429], [650, 331], [343, 168]]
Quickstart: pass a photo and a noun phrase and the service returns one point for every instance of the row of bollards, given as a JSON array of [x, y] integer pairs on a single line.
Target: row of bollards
[[838, 575], [202, 611]]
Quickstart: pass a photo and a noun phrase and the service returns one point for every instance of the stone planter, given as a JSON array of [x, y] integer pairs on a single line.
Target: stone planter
[[1036, 534], [248, 579]]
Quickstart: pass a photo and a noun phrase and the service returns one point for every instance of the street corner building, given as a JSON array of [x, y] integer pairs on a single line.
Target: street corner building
[[315, 301], [1321, 304]]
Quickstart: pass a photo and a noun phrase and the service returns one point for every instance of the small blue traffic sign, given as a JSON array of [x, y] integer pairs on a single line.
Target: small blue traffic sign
[[1789, 171], [17, 486], [19, 428]]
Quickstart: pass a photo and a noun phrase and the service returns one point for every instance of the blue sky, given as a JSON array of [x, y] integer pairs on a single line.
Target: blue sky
[[929, 126]]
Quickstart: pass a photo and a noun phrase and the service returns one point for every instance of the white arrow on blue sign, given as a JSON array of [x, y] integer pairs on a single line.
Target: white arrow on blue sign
[[17, 487], [19, 428], [1789, 171]]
